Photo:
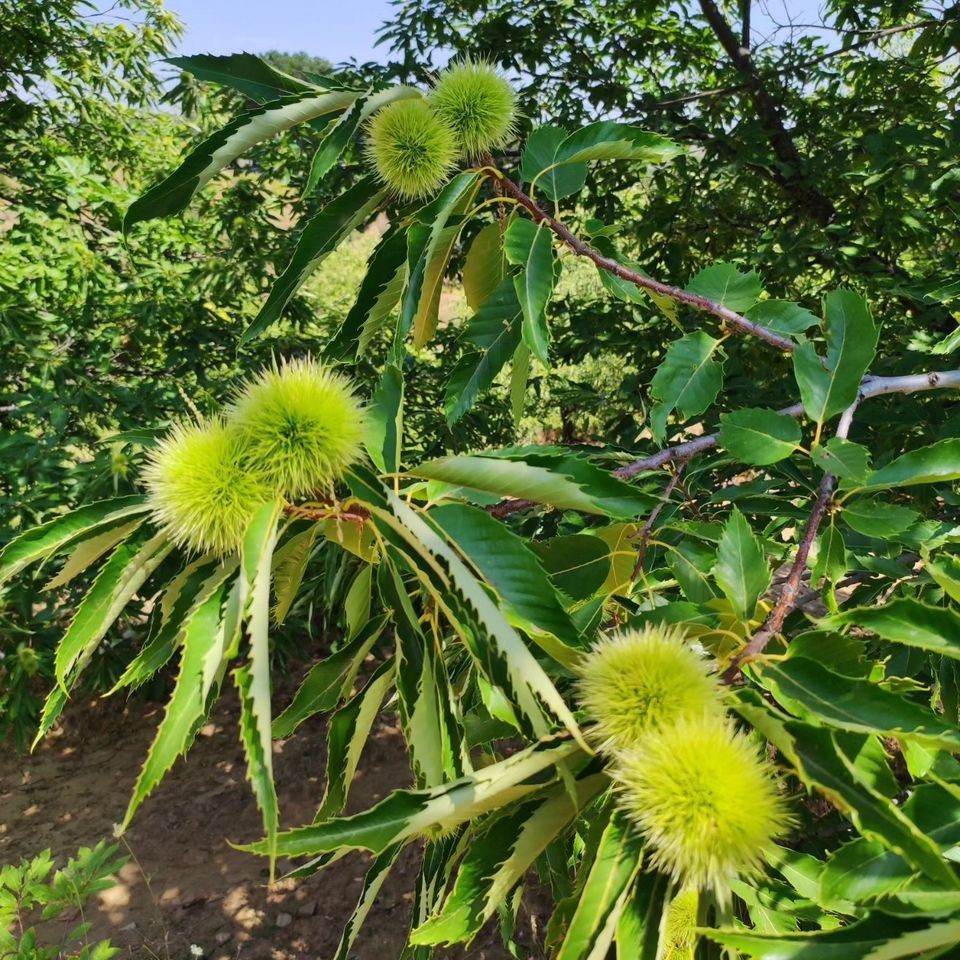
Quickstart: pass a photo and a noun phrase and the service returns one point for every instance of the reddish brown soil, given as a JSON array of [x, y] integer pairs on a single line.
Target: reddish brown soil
[[185, 885]]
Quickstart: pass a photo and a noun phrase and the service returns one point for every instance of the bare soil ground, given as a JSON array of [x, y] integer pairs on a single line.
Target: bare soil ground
[[185, 886]]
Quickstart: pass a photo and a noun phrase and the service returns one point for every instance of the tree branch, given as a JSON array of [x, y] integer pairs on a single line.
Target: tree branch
[[870, 387], [768, 113], [733, 319]]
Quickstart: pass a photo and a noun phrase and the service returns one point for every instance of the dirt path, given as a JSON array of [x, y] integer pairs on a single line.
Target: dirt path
[[186, 886]]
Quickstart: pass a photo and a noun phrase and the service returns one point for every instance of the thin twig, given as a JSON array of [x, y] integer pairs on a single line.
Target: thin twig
[[647, 530], [733, 319], [790, 593]]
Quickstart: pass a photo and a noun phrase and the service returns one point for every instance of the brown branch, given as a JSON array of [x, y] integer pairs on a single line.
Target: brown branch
[[505, 507], [869, 387], [791, 588], [794, 68], [790, 593], [768, 113], [582, 249]]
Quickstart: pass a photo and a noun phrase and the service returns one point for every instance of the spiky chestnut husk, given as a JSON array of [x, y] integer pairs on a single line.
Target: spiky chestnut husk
[[200, 487], [477, 101], [639, 680], [680, 935], [302, 425], [706, 801], [411, 148]]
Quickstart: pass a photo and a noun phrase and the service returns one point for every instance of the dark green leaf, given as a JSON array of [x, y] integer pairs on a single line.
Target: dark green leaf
[[758, 437], [204, 162], [809, 689], [688, 380], [741, 570], [938, 463], [724, 283], [509, 566], [910, 622], [540, 154], [319, 238], [782, 316], [827, 388]]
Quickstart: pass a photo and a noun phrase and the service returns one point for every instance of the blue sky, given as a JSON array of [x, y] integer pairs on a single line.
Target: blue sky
[[341, 29], [335, 29]]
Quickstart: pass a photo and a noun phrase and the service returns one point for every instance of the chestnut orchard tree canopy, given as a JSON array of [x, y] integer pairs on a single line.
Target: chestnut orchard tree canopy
[[697, 674]]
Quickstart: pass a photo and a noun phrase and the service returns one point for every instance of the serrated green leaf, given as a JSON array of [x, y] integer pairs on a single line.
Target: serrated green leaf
[[938, 463], [945, 570], [638, 930], [539, 163], [347, 734], [506, 562], [688, 380], [372, 882], [496, 647], [253, 77], [874, 518], [328, 681], [865, 870], [430, 729], [605, 892], [578, 564], [831, 561], [86, 553], [758, 437], [876, 938], [49, 538], [504, 851], [495, 329], [188, 590], [289, 566], [828, 387], [782, 316], [741, 569], [519, 375], [406, 814], [566, 483], [187, 705], [253, 678], [910, 622], [533, 250], [344, 129], [205, 161], [808, 689], [380, 291], [384, 440], [844, 459], [484, 267], [726, 284], [608, 140], [128, 568], [430, 241], [814, 755], [319, 238]]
